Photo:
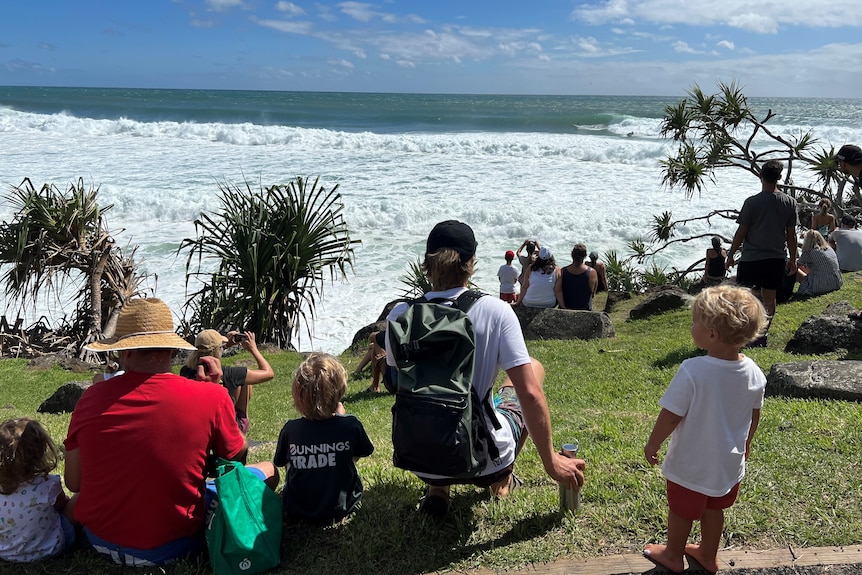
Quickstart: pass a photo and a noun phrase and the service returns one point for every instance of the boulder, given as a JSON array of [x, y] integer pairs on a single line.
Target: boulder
[[360, 338], [816, 380], [614, 297], [665, 300], [552, 323], [827, 332], [64, 399]]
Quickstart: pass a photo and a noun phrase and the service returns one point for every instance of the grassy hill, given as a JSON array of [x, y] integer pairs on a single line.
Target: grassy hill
[[802, 486]]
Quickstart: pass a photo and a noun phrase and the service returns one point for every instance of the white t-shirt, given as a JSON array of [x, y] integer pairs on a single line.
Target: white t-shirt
[[715, 398], [30, 527], [499, 345], [508, 275], [540, 289]]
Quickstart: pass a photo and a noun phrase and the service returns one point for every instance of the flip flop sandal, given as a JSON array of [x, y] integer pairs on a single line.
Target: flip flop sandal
[[515, 483], [435, 506], [695, 565], [660, 566]]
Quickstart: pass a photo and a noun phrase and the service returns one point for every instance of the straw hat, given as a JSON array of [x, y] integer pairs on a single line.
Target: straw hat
[[144, 323]]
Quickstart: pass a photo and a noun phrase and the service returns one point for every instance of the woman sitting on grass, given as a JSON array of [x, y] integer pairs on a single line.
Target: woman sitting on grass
[[817, 268]]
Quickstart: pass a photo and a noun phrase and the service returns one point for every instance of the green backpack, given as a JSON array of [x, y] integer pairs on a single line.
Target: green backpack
[[437, 422], [244, 532]]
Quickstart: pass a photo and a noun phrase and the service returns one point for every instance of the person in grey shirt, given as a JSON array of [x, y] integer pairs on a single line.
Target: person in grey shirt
[[847, 243], [767, 222]]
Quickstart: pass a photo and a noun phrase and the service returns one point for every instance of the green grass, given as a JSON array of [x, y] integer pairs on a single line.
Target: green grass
[[802, 487]]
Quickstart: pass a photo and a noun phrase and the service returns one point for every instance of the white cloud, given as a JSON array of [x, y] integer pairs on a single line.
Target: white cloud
[[366, 13], [683, 47], [341, 63], [222, 5], [765, 16], [727, 44], [357, 11], [752, 22], [19, 65], [291, 27], [290, 8], [405, 64]]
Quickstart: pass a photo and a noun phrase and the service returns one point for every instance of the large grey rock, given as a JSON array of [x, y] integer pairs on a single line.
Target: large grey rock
[[360, 338], [65, 398], [665, 300], [48, 360], [816, 379], [827, 332], [552, 323]]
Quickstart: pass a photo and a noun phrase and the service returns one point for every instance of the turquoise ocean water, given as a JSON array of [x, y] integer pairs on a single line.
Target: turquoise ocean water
[[562, 169]]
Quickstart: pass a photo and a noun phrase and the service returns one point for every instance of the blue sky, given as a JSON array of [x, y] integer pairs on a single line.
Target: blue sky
[[625, 47]]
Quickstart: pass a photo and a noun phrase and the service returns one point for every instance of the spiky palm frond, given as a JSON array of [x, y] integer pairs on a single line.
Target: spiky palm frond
[[54, 238], [271, 248]]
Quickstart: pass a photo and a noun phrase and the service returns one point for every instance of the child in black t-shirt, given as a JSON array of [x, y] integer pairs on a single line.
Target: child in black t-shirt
[[319, 449]]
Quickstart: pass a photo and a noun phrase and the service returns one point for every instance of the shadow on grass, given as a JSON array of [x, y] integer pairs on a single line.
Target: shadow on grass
[[388, 536], [676, 357]]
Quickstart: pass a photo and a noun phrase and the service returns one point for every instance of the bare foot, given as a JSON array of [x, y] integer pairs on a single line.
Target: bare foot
[[659, 556], [693, 552]]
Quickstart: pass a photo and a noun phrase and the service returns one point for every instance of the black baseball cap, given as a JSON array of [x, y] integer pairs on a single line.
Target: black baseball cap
[[452, 234], [850, 154]]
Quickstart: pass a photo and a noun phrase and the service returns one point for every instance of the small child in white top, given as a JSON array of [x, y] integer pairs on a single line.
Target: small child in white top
[[32, 501], [710, 411], [508, 276]]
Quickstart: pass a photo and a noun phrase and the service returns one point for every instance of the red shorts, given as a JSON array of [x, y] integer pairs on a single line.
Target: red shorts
[[690, 504], [509, 297]]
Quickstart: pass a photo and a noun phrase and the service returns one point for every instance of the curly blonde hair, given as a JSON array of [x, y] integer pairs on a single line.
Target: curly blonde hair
[[734, 312], [319, 384], [26, 452]]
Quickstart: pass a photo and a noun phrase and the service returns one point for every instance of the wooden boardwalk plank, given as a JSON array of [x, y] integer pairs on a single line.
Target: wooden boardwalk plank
[[728, 559]]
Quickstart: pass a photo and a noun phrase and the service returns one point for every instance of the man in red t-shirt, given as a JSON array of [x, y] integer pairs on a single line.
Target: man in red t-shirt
[[138, 443]]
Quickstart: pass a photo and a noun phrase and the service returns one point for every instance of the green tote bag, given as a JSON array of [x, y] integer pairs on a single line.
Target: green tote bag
[[244, 532]]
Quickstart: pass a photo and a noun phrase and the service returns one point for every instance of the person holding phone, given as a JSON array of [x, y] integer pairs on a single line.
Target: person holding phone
[[236, 379]]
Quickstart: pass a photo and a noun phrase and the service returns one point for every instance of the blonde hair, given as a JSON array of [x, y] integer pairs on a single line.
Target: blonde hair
[[319, 383], [26, 452], [445, 270], [734, 312], [813, 239]]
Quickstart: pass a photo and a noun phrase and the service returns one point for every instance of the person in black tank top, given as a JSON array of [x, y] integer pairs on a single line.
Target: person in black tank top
[[715, 271], [579, 281]]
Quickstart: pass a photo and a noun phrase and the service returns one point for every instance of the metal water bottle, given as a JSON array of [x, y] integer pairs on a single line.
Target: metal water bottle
[[570, 498]]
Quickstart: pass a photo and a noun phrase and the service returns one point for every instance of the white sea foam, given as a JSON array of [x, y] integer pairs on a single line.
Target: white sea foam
[[559, 188]]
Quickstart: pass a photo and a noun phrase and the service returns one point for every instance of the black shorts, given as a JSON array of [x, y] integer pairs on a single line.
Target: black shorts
[[765, 274]]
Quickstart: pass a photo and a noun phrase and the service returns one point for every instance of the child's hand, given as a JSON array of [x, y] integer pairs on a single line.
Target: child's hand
[[651, 454]]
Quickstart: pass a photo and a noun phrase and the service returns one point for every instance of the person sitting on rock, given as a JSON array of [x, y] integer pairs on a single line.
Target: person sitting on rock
[[579, 281], [601, 271]]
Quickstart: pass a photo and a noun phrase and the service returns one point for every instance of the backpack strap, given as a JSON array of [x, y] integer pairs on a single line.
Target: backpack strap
[[466, 300], [463, 302]]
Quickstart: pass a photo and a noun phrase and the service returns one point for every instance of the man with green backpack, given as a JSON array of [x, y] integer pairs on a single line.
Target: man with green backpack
[[448, 347]]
